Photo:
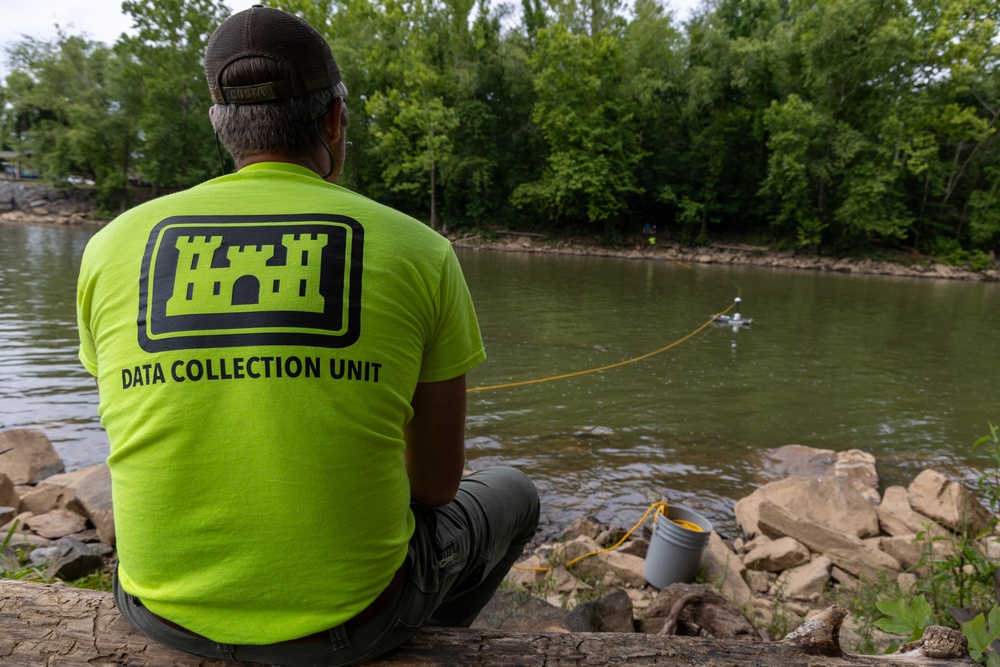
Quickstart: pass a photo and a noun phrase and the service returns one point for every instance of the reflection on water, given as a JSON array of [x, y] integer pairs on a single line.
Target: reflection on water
[[895, 367], [42, 384], [905, 369]]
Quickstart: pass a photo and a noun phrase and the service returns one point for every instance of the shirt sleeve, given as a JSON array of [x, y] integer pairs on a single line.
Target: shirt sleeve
[[88, 349], [456, 345]]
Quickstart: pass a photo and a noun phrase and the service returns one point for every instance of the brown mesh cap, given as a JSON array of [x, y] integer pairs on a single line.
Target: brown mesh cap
[[265, 32]]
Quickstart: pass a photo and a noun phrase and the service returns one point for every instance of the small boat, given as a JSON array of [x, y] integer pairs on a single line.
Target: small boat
[[735, 320]]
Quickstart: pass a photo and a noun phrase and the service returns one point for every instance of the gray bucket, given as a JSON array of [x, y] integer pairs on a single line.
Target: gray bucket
[[675, 551]]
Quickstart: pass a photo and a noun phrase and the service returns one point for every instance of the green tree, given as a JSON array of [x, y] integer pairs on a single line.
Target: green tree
[[65, 107], [593, 142], [166, 67]]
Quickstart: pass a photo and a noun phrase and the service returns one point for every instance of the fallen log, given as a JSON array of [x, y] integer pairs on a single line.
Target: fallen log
[[70, 627]]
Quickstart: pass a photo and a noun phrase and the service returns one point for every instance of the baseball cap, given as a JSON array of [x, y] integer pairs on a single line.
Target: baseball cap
[[265, 32]]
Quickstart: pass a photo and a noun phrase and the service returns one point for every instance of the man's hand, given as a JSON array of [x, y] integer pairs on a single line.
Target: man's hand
[[435, 441]]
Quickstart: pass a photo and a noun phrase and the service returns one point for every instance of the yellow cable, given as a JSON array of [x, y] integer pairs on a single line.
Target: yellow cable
[[661, 509], [603, 368]]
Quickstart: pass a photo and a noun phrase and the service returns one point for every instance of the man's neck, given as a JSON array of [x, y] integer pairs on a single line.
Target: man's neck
[[279, 157]]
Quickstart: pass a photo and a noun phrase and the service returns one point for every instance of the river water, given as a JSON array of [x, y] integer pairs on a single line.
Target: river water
[[906, 369]]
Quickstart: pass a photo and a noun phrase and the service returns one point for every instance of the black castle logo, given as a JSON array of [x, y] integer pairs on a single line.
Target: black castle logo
[[229, 281]]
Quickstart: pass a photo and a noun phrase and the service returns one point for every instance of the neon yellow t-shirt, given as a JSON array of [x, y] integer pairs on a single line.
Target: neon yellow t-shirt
[[257, 340]]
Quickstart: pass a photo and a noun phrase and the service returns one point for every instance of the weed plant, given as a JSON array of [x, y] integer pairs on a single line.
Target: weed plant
[[963, 579], [14, 565]]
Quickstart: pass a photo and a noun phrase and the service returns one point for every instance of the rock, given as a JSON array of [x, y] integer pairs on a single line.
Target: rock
[[843, 579], [909, 551], [7, 513], [843, 508], [565, 552], [907, 582], [8, 494], [776, 555], [847, 551], [72, 560], [46, 497], [724, 570], [611, 613], [93, 491], [56, 524], [637, 546], [529, 573], [20, 519], [611, 536], [584, 525], [31, 457], [896, 516], [26, 541], [947, 502], [758, 581], [42, 555], [798, 461], [613, 568], [516, 611], [805, 582], [858, 467]]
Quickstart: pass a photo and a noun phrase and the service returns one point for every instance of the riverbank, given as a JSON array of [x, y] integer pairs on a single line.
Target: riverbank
[[40, 204], [898, 264], [823, 532]]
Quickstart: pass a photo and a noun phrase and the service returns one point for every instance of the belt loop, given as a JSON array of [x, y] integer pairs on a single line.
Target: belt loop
[[228, 650], [338, 637]]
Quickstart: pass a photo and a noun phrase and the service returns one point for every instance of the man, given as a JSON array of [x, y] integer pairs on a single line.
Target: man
[[281, 366]]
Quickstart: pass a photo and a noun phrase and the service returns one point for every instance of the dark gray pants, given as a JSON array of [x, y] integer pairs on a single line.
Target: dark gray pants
[[459, 554]]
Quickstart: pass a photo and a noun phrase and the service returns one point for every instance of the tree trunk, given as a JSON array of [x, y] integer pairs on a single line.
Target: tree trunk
[[60, 626]]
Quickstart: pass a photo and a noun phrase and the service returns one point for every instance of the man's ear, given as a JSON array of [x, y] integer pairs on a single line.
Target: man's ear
[[332, 119]]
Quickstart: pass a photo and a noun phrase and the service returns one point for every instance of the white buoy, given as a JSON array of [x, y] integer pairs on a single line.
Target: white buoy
[[736, 316]]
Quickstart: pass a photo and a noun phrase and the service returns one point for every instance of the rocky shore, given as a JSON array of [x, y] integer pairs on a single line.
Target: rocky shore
[[822, 532], [733, 254], [37, 203]]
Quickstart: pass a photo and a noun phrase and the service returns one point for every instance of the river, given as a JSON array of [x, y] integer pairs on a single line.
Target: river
[[906, 369]]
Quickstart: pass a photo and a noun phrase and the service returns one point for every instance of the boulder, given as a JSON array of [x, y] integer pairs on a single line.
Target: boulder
[[909, 551], [584, 525], [637, 546], [859, 469], [724, 570], [805, 582], [613, 568], [896, 516], [847, 551], [776, 555], [93, 491], [7, 513], [8, 494], [843, 508], [947, 502], [28, 456], [798, 461], [72, 560], [56, 524], [46, 497], [611, 613], [758, 580]]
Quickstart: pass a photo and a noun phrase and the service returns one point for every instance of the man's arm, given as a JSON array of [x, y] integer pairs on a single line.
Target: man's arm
[[435, 441]]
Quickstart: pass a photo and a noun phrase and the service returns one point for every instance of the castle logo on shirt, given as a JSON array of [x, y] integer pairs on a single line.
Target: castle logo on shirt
[[230, 281]]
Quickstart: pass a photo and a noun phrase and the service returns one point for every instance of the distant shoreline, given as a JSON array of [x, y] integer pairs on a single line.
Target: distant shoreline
[[39, 203], [730, 254]]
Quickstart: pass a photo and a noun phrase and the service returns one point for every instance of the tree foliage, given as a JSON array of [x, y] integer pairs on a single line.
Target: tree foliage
[[822, 124]]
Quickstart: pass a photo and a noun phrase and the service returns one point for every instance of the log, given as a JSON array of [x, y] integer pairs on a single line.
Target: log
[[71, 627]]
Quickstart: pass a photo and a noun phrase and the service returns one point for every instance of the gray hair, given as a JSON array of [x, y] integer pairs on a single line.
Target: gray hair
[[286, 127]]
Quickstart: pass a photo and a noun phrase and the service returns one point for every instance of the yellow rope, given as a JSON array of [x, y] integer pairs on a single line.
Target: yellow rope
[[604, 368], [661, 510]]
